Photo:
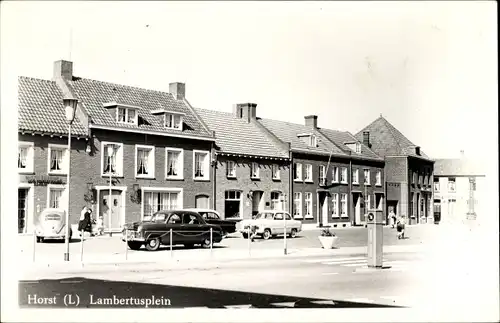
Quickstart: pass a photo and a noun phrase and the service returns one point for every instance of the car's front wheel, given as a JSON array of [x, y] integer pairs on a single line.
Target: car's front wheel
[[293, 233], [153, 244], [134, 245], [267, 234], [206, 243], [39, 239], [245, 235]]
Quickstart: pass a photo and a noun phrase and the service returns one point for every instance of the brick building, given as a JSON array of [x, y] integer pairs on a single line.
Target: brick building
[[322, 159], [252, 168], [408, 170], [152, 145]]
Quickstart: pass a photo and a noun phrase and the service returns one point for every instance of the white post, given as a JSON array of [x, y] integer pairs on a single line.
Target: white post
[[34, 243], [126, 243], [81, 248], [171, 248], [249, 240], [211, 243], [67, 237], [284, 226], [109, 201]]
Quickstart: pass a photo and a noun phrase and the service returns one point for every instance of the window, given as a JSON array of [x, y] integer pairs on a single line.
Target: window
[[343, 205], [174, 163], [378, 178], [308, 174], [312, 141], [56, 197], [422, 207], [232, 204], [278, 216], [358, 148], [190, 219], [201, 165], [343, 175], [414, 179], [451, 184], [335, 174], [276, 201], [254, 170], [322, 175], [145, 161], [297, 205], [230, 169], [126, 115], [412, 209], [368, 202], [276, 171], [309, 140], [308, 205], [202, 201], [25, 157], [58, 159], [160, 201], [378, 201], [355, 176], [297, 172], [174, 219], [112, 162], [366, 177], [173, 121], [436, 184], [335, 205], [419, 178]]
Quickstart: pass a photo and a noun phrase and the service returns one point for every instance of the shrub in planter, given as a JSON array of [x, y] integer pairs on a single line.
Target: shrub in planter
[[328, 239]]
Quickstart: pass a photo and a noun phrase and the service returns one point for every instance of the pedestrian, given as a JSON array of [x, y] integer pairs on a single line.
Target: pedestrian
[[85, 223], [392, 217], [401, 227], [100, 225]]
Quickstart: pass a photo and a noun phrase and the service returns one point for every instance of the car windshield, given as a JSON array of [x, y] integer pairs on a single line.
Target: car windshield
[[156, 217], [264, 215]]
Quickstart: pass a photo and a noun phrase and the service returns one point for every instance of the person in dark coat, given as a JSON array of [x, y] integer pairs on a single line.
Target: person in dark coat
[[85, 223]]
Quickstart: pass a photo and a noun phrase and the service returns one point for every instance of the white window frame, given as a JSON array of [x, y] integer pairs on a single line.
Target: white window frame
[[180, 163], [343, 171], [277, 201], [151, 161], [358, 148], [308, 174], [118, 156], [298, 167], [180, 191], [240, 199], [368, 202], [454, 181], [313, 142], [322, 174], [64, 195], [275, 170], [173, 116], [335, 205], [335, 174], [344, 215], [299, 199], [254, 170], [64, 166], [30, 154], [206, 167], [230, 165], [436, 182], [355, 176], [136, 118], [378, 178], [367, 179], [310, 199]]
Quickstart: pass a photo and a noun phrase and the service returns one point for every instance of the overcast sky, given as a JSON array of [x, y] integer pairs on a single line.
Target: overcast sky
[[430, 68]]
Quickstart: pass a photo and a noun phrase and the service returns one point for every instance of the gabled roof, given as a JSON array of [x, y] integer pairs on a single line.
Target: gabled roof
[[288, 132], [41, 109], [340, 138], [457, 167], [386, 140], [236, 136], [94, 94]]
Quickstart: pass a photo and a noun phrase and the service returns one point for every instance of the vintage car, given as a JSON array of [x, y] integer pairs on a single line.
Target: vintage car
[[51, 224], [213, 217], [188, 228], [271, 223]]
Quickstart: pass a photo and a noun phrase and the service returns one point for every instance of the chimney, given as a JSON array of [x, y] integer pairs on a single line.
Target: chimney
[[366, 139], [178, 90], [462, 154], [245, 111], [63, 69], [417, 150], [311, 121]]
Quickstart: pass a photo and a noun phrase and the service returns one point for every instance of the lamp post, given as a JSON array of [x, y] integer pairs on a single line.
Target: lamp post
[[110, 156], [70, 108]]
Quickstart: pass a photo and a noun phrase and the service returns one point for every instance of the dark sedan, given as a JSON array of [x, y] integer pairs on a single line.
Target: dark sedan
[[188, 228], [213, 217]]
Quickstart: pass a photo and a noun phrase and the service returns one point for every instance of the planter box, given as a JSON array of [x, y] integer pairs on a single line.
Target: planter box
[[329, 242]]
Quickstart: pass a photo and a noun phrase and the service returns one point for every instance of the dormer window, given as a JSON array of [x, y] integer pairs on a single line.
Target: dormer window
[[171, 119], [354, 146], [309, 139], [123, 113]]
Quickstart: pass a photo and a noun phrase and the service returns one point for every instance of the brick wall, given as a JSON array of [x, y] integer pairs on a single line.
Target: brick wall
[[242, 182], [395, 168]]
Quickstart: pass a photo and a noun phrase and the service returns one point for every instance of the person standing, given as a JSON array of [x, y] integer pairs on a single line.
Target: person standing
[[392, 217], [401, 227]]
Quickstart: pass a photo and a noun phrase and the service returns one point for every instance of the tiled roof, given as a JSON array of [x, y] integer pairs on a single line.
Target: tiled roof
[[41, 108], [237, 136], [342, 137], [386, 140], [94, 94], [457, 167], [288, 132]]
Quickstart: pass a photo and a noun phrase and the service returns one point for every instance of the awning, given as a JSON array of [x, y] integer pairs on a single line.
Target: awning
[[322, 190]]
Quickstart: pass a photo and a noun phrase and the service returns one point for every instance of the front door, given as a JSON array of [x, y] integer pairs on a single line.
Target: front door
[[322, 209], [22, 207], [202, 202], [111, 210], [256, 202], [357, 209]]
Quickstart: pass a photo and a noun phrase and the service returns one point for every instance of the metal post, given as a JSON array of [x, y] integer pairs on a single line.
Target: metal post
[[249, 240], [67, 237], [171, 248], [81, 249], [211, 237], [126, 243], [34, 243], [109, 199], [284, 228]]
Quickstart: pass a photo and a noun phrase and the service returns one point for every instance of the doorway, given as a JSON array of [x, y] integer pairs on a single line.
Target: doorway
[[111, 209], [356, 202], [202, 202], [257, 202], [392, 206], [322, 209], [22, 207]]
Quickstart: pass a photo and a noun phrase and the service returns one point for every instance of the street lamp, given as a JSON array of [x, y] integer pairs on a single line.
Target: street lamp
[[70, 108], [111, 151]]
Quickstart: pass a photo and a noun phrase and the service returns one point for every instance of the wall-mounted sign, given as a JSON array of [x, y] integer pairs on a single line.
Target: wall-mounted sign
[[44, 180]]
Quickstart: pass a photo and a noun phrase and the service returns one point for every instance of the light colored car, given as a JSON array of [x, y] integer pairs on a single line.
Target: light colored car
[[51, 224], [271, 223]]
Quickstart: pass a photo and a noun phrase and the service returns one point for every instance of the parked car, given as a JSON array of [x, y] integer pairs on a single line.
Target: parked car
[[270, 223], [213, 217], [188, 228], [51, 224]]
